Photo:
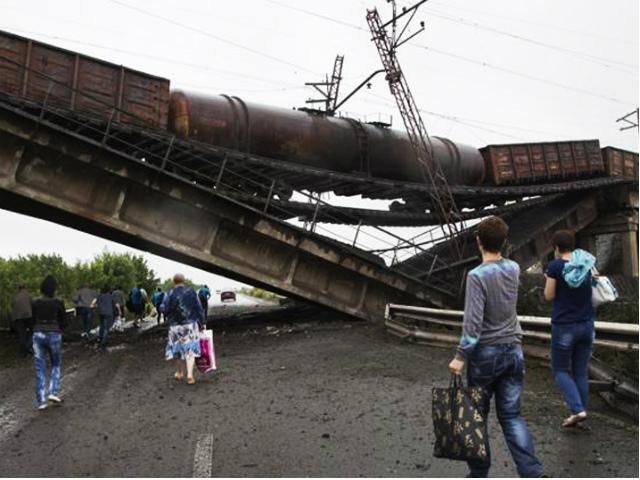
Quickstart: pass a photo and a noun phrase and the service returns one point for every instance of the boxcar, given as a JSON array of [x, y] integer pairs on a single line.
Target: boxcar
[[541, 162], [620, 163], [38, 71]]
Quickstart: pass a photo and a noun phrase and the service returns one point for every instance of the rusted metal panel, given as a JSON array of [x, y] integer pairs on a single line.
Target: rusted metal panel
[[39, 71], [540, 162], [342, 145], [620, 163]]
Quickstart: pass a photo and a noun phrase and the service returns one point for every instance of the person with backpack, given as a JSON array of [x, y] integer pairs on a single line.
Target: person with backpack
[[204, 295], [183, 311], [156, 300], [137, 304], [568, 286]]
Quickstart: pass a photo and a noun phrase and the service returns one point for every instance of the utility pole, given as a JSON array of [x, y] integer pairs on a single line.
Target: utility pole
[[629, 123], [330, 88], [442, 201]]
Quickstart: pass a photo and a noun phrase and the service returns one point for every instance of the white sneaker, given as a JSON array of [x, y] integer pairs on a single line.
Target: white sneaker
[[574, 419], [42, 406], [55, 398]]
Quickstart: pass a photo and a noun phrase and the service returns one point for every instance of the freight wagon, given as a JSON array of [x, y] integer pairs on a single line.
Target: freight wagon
[[44, 73]]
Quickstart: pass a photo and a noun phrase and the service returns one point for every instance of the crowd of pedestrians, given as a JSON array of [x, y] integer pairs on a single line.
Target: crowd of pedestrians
[[39, 324], [490, 346]]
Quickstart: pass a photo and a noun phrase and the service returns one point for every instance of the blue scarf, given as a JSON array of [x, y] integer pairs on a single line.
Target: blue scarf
[[576, 270]]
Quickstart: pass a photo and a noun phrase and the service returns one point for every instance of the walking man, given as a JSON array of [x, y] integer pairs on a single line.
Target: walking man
[[491, 343], [106, 308], [137, 302], [83, 299], [23, 319]]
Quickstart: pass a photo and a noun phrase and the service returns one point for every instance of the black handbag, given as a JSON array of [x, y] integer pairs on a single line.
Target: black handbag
[[459, 427]]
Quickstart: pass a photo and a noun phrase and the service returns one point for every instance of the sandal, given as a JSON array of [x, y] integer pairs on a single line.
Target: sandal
[[178, 376], [191, 381]]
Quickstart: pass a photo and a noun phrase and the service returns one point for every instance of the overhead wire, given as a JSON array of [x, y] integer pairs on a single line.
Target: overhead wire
[[459, 57], [213, 36], [620, 66], [159, 58], [530, 22]]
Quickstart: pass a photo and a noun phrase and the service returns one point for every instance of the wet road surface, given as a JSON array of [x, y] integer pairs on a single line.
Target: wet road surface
[[325, 399]]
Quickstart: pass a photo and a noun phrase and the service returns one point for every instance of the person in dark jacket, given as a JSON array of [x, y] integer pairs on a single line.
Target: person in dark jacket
[[184, 312], [23, 319], [107, 308], [137, 304], [156, 300], [49, 321], [204, 295]]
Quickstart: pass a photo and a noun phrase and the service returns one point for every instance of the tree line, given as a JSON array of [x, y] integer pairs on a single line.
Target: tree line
[[106, 269]]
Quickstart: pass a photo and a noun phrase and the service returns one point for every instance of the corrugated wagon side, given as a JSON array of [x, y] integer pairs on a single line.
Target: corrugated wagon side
[[541, 162], [620, 163], [38, 71]]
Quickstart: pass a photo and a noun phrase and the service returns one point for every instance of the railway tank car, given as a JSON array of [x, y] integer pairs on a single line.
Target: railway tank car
[[339, 144]]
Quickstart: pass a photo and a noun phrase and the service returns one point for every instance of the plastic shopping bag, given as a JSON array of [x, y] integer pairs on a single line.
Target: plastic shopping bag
[[460, 429], [206, 362], [602, 289]]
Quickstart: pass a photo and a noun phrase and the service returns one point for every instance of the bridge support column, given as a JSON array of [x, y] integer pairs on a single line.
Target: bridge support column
[[613, 238]]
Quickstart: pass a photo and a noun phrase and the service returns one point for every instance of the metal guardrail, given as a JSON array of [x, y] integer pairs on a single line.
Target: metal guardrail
[[436, 326], [404, 319]]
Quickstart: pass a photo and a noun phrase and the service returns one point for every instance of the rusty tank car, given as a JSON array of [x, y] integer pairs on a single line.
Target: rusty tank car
[[339, 144]]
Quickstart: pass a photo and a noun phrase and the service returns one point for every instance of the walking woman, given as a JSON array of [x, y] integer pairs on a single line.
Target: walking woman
[[568, 285], [184, 313], [49, 321]]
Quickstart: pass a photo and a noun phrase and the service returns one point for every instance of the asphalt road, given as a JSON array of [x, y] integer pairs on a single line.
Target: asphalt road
[[320, 399]]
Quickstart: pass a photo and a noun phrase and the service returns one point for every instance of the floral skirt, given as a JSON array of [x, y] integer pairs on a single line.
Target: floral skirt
[[183, 341]]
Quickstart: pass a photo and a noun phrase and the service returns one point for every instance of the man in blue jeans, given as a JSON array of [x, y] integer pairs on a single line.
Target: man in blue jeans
[[491, 344]]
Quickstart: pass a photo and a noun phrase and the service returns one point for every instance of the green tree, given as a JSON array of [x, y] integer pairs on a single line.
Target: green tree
[[106, 269]]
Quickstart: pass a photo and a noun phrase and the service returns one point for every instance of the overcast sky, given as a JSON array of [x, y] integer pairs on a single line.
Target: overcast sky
[[484, 71]]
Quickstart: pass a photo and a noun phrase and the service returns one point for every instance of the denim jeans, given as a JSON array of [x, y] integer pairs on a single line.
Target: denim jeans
[[105, 326], [570, 352], [47, 343], [499, 369], [86, 315]]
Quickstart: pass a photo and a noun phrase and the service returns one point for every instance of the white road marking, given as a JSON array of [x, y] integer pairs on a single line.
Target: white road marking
[[203, 457], [19, 409]]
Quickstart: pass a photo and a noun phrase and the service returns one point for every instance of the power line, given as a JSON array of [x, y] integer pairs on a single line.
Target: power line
[[158, 58], [215, 37], [474, 123], [458, 57], [538, 24], [523, 75], [623, 67]]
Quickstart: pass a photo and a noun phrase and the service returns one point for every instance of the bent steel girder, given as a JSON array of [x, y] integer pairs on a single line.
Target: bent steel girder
[[61, 176]]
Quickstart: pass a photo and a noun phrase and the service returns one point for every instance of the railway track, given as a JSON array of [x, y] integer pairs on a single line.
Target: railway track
[[264, 182]]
